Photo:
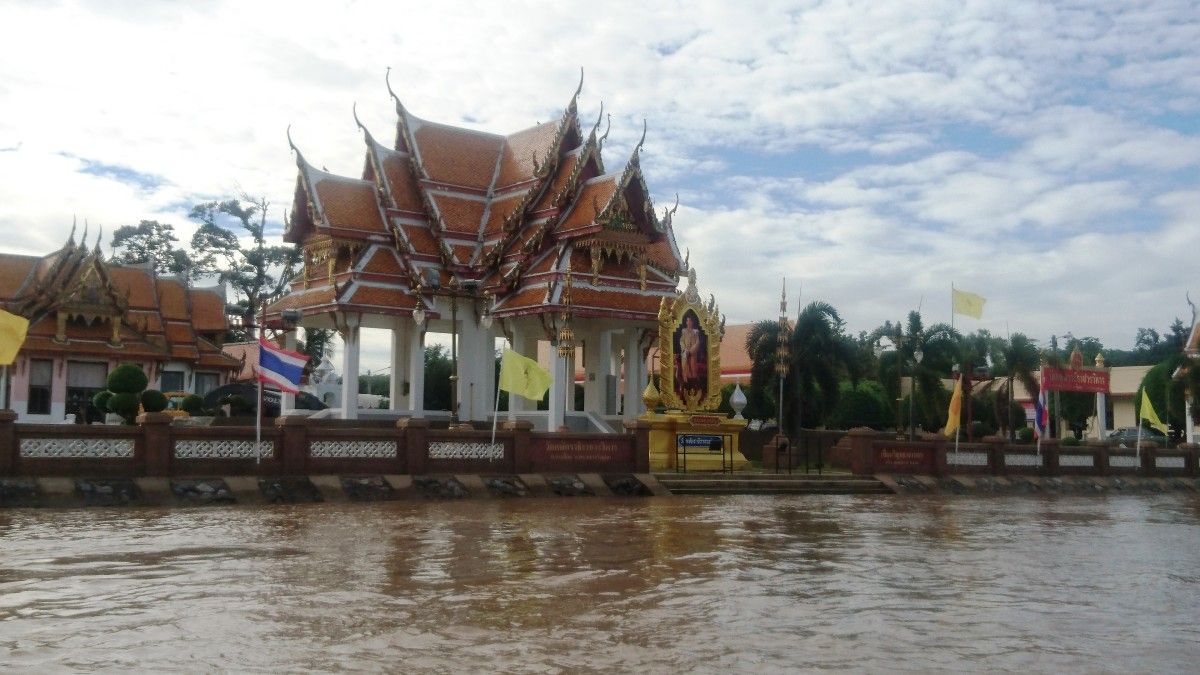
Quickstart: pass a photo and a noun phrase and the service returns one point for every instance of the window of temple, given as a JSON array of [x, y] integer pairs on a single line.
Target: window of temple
[[205, 382], [171, 380], [84, 380], [41, 374]]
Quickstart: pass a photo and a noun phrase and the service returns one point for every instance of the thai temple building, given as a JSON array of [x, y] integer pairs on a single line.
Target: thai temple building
[[87, 316], [527, 236]]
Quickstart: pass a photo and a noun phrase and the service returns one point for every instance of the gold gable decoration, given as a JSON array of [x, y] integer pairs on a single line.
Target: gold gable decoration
[[689, 347]]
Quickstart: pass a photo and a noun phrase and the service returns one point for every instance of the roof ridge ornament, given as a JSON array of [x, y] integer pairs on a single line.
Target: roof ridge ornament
[[642, 141], [71, 237], [387, 79], [83, 239], [99, 236], [599, 118], [354, 111], [607, 128], [668, 214], [575, 97]]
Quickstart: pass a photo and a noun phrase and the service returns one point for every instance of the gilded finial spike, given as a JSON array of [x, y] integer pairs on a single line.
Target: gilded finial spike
[[354, 111], [642, 141], [99, 236], [607, 128], [83, 239], [71, 237], [387, 79]]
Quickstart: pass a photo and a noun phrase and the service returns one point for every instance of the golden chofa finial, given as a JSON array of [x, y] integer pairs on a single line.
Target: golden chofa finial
[[1099, 359], [650, 395]]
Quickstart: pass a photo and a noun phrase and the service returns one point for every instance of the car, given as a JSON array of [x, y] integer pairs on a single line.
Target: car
[[1127, 437]]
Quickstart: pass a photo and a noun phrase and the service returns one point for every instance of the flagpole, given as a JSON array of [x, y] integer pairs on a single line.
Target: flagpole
[[1137, 450], [4, 388], [258, 416], [951, 304], [496, 409]]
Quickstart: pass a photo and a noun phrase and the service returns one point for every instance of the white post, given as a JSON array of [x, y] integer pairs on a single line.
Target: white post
[[1101, 415], [1189, 425], [350, 368], [4, 389], [287, 403], [559, 380], [399, 364], [416, 370], [633, 376]]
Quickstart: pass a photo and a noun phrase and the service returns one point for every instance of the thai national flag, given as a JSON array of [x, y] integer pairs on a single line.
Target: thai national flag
[[1041, 414], [280, 367]]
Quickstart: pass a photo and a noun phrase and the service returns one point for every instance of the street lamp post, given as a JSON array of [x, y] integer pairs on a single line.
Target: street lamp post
[[912, 395]]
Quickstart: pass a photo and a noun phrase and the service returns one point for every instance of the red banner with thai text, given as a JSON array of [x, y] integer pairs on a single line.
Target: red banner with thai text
[[1075, 379]]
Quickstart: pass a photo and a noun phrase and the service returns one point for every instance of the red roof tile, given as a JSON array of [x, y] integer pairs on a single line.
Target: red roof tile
[[516, 163], [13, 271], [137, 284], [458, 156], [172, 299], [458, 214], [208, 310], [565, 167], [350, 204], [403, 185], [377, 296], [384, 262], [500, 209], [595, 195], [421, 239]]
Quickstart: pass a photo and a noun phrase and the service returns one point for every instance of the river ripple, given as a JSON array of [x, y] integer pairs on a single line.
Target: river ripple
[[715, 584]]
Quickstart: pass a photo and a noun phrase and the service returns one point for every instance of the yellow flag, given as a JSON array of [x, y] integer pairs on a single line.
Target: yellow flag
[[522, 375], [955, 413], [12, 336], [1149, 415], [968, 304]]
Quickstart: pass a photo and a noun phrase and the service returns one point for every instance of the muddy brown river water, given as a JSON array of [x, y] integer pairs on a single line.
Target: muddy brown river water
[[717, 584]]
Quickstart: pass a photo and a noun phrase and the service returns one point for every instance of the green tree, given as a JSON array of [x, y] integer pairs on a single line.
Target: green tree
[[150, 242], [864, 404], [1167, 394], [1020, 361], [257, 273], [437, 377], [820, 355], [762, 345]]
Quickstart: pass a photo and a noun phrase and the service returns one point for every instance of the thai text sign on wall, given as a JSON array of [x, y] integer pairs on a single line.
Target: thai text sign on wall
[[904, 459], [1075, 379]]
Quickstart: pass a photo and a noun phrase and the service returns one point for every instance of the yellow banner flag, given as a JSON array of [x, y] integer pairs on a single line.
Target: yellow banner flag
[[968, 304], [12, 336], [955, 412], [1149, 415], [523, 376]]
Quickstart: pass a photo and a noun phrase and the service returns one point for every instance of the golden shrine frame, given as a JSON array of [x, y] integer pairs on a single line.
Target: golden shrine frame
[[673, 316]]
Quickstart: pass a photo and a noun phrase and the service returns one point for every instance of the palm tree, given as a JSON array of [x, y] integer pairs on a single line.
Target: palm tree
[[762, 343], [821, 354], [1021, 360], [938, 345]]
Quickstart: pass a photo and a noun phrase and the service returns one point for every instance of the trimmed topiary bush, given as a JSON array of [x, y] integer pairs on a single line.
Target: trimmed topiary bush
[[1070, 442], [153, 401], [100, 400], [192, 405], [1025, 434], [124, 404], [238, 405], [127, 379]]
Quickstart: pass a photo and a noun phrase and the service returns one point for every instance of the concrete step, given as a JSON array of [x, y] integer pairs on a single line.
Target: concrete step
[[873, 490]]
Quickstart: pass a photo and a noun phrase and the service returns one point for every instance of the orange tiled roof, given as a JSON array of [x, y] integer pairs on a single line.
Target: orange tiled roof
[[500, 209], [379, 296], [313, 297], [533, 296], [208, 310], [138, 285], [421, 239], [660, 255], [565, 167], [458, 214], [516, 163], [384, 262], [173, 300], [458, 156], [618, 299], [595, 195], [350, 204], [14, 269], [398, 171]]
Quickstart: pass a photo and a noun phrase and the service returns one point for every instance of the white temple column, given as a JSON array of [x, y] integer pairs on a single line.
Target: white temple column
[[400, 336], [525, 345], [560, 382], [1189, 425], [1101, 415], [350, 345], [287, 404], [416, 370], [633, 382], [597, 360]]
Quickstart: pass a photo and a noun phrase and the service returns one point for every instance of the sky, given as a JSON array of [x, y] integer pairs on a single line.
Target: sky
[[1043, 155]]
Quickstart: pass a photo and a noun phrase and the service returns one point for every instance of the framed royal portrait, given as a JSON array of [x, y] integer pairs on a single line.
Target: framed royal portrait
[[689, 351]]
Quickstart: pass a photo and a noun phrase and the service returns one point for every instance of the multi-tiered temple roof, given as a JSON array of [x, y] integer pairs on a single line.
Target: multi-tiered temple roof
[[80, 305], [507, 216]]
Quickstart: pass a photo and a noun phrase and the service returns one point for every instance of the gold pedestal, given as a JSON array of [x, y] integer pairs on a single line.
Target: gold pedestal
[[688, 438]]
